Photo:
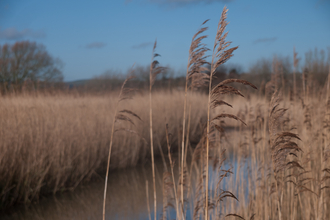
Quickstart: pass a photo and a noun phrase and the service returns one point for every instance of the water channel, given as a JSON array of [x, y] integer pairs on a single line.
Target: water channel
[[126, 198]]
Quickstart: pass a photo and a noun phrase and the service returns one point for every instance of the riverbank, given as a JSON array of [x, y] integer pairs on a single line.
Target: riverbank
[[53, 143]]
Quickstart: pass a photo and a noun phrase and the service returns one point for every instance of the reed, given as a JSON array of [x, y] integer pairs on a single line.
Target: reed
[[196, 73], [155, 69], [220, 55], [55, 143], [122, 115], [62, 131], [195, 77]]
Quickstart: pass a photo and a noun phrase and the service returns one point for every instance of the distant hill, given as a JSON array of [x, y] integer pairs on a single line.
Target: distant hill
[[76, 83]]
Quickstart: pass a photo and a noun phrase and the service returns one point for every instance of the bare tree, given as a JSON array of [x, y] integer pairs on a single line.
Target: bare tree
[[30, 61]]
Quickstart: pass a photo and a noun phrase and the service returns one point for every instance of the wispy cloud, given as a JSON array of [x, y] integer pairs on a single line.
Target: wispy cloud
[[265, 40], [142, 45], [96, 45], [181, 3], [14, 34], [319, 3]]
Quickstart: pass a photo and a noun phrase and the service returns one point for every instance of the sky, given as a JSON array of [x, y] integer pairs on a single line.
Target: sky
[[91, 37]]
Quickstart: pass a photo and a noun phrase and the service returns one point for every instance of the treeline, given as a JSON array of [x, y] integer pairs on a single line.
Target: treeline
[[310, 73], [27, 67], [314, 69]]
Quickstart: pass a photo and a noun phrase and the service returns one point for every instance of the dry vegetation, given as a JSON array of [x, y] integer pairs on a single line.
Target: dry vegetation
[[279, 139], [52, 143]]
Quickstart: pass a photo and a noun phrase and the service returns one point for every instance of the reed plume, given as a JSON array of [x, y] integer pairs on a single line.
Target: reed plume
[[283, 147], [155, 69], [220, 55], [282, 144], [122, 115], [295, 65], [195, 77]]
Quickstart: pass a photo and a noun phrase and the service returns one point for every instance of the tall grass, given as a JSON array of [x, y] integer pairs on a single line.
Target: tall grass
[[124, 115], [195, 77], [53, 143], [155, 69]]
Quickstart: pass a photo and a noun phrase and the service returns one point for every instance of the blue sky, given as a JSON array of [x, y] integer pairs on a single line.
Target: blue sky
[[91, 37]]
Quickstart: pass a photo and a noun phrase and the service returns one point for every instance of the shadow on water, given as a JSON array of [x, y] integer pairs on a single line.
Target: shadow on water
[[126, 198]]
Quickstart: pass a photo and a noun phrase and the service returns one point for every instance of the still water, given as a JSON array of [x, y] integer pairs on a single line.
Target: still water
[[126, 198]]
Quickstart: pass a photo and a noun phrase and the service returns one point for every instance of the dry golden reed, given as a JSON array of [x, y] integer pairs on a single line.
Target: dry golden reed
[[53, 143]]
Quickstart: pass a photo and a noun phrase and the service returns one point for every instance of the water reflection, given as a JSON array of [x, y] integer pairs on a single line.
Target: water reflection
[[126, 199]]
